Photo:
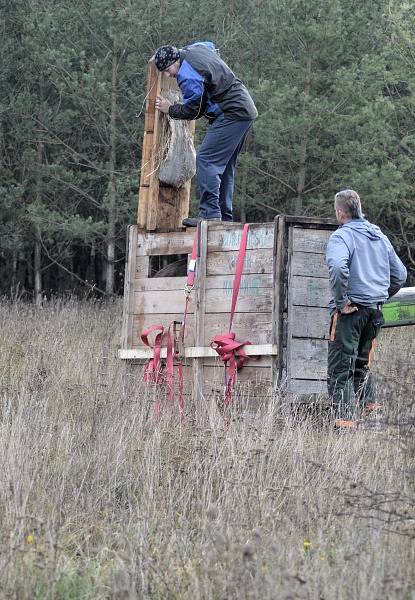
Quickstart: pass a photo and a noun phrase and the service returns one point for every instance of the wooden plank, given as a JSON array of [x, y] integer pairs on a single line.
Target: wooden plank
[[160, 302], [165, 244], [254, 300], [311, 222], [310, 240], [161, 284], [289, 307], [197, 367], [279, 257], [223, 263], [152, 207], [310, 322], [142, 264], [250, 282], [309, 264], [310, 291], [130, 268], [146, 165], [254, 327], [308, 359], [144, 352], [224, 238]]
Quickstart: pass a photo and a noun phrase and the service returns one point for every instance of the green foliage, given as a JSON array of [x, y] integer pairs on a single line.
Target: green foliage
[[333, 81]]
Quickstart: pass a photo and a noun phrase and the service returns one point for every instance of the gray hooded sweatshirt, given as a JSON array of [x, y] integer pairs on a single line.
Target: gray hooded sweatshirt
[[363, 266]]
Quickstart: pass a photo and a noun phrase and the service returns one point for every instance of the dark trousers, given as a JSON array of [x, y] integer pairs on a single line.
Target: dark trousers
[[352, 336], [215, 166]]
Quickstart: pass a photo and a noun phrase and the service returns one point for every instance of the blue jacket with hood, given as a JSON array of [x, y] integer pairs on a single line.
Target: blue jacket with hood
[[363, 266], [209, 87]]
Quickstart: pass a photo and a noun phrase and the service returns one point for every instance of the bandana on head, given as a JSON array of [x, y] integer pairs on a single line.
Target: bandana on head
[[166, 56]]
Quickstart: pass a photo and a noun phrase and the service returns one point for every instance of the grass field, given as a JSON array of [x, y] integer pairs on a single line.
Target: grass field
[[100, 500]]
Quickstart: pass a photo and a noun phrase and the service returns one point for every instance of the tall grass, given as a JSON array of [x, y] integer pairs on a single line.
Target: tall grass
[[100, 500]]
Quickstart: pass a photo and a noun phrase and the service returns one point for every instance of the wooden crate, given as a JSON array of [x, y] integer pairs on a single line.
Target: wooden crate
[[281, 307]]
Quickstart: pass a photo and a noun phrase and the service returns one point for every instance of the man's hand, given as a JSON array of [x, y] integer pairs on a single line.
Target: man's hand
[[348, 308], [162, 104]]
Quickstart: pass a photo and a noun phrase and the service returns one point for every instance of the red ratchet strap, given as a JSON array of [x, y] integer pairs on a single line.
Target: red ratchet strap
[[154, 369], [229, 350], [191, 276]]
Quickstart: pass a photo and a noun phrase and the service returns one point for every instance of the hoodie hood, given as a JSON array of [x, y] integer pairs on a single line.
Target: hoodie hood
[[364, 228]]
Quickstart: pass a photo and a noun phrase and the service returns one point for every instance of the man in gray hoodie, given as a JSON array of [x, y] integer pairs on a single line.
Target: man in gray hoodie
[[364, 272]]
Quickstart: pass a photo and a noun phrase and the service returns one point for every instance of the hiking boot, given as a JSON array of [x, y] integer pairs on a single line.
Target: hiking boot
[[345, 424], [373, 406], [194, 221]]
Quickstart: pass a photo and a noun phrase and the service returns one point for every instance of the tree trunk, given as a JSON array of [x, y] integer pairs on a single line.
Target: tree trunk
[[37, 267], [37, 262], [109, 278], [302, 169]]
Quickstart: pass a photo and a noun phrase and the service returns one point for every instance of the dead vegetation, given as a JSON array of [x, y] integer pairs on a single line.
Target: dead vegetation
[[99, 500]]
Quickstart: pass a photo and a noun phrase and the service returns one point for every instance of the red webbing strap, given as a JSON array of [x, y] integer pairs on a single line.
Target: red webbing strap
[[238, 272], [153, 369], [229, 350], [152, 372]]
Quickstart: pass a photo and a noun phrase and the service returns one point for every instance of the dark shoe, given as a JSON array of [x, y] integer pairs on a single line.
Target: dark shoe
[[194, 221]]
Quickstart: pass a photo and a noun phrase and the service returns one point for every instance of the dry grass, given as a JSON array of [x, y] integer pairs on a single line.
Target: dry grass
[[100, 501]]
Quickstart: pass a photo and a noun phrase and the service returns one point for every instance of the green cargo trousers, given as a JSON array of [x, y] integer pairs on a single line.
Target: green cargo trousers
[[349, 381]]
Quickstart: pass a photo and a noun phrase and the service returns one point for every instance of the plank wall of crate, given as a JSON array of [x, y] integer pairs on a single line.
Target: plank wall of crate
[[281, 309]]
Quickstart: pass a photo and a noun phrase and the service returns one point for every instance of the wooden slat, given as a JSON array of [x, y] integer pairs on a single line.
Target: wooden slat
[[160, 302], [153, 203], [279, 256], [308, 359], [309, 264], [249, 283], [224, 238], [310, 291], [310, 322], [205, 352], [164, 244], [310, 240], [223, 263], [200, 293], [254, 327], [130, 267], [141, 267], [256, 300]]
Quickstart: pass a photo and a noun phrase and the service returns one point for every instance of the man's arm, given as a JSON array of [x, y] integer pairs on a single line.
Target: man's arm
[[192, 86], [398, 272], [338, 260]]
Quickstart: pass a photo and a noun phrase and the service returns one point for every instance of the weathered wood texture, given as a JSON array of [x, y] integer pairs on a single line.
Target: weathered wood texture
[[161, 300], [160, 207], [307, 316]]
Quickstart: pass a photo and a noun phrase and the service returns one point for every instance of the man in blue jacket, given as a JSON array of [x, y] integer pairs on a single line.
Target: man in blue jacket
[[364, 272], [210, 89]]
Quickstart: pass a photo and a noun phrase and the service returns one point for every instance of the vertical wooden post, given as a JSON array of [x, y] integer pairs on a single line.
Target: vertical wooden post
[[200, 309], [160, 207], [280, 260], [128, 307]]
